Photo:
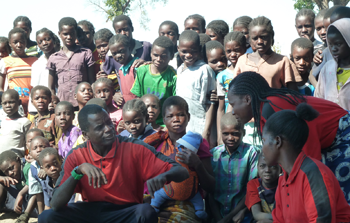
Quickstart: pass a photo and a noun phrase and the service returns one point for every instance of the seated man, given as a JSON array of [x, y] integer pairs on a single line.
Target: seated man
[[109, 172]]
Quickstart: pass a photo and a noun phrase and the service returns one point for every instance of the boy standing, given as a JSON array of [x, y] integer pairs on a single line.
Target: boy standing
[[71, 65]]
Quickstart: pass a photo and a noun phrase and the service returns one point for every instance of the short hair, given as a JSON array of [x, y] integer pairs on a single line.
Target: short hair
[[67, 104], [190, 36], [302, 43], [104, 80], [164, 42], [321, 14], [24, 19], [219, 27], [88, 24], [8, 155], [122, 18], [340, 13], [175, 101], [172, 25], [297, 132], [85, 112], [67, 21], [135, 105], [12, 93], [82, 39], [229, 119], [200, 19], [307, 13], [41, 88], [39, 138], [97, 101], [209, 46], [7, 43], [17, 30], [34, 130], [152, 96], [203, 39], [51, 34], [47, 151], [236, 36], [103, 34], [263, 21], [330, 11], [120, 38], [78, 86], [243, 21]]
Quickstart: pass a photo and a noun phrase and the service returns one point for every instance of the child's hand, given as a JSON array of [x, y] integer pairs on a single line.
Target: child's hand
[[42, 174], [95, 175], [118, 99], [101, 74], [155, 184], [188, 157], [121, 126], [238, 218], [7, 181], [138, 62], [18, 204], [213, 97], [318, 58]]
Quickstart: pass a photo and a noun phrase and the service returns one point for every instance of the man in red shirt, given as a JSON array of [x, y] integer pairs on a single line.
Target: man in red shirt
[[109, 171]]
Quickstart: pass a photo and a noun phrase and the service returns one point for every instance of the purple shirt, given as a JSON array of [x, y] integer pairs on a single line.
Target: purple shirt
[[70, 71], [66, 146]]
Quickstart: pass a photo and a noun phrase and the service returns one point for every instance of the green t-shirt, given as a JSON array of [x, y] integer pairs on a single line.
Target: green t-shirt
[[26, 169], [162, 85]]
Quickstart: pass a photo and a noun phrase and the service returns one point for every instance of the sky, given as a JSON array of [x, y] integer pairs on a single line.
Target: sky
[[47, 13]]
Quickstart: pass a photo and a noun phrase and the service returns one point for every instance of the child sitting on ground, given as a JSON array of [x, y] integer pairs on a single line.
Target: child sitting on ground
[[178, 191], [83, 93], [234, 164], [306, 184], [217, 30], [5, 48], [54, 101], [135, 119], [260, 198], [64, 113], [301, 55], [14, 127], [44, 120], [333, 82], [153, 109], [157, 78]]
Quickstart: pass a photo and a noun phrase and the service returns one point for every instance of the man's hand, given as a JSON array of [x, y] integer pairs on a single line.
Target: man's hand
[[188, 157], [7, 181], [42, 174], [155, 184], [318, 58], [18, 204], [238, 218], [94, 174], [101, 74]]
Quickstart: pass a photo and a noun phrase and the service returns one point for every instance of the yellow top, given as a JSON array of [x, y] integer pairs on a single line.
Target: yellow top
[[342, 76]]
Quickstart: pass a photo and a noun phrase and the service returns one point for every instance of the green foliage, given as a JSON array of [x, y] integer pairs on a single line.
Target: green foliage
[[116, 7], [301, 4]]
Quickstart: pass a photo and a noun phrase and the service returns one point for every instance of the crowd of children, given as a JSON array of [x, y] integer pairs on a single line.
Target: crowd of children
[[264, 137]]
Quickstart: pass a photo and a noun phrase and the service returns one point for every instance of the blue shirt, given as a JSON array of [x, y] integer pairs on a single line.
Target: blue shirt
[[223, 80]]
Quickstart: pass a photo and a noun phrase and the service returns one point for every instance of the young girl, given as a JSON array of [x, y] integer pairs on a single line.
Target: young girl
[[251, 97], [5, 48], [217, 30], [135, 119], [215, 55], [31, 47], [17, 67], [152, 103], [171, 30], [275, 68], [308, 190], [83, 93], [241, 24], [333, 82]]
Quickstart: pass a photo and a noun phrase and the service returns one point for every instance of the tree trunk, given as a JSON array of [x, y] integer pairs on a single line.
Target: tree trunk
[[341, 2], [322, 4]]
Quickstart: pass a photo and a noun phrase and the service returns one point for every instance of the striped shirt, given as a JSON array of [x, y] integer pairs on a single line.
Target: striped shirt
[[232, 173]]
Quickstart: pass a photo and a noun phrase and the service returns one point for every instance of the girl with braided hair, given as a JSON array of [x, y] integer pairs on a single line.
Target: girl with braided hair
[[251, 97]]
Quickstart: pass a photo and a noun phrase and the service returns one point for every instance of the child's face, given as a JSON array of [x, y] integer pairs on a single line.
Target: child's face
[[89, 34], [261, 39], [153, 109], [30, 137], [51, 165], [41, 100], [12, 169], [18, 42], [122, 27], [188, 52], [244, 30], [160, 57], [176, 119], [64, 117], [217, 60], [120, 53], [320, 29], [269, 149], [36, 146], [305, 27], [166, 30], [338, 46], [214, 36], [45, 42], [54, 102], [135, 123], [233, 51], [268, 174], [103, 91], [102, 48], [26, 29], [232, 136], [302, 59], [68, 35], [10, 104], [193, 24], [4, 50], [84, 94]]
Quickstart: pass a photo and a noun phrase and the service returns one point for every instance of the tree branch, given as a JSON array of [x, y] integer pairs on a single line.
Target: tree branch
[[125, 6]]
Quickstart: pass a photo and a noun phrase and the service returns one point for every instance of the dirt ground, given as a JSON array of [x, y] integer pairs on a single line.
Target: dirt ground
[[11, 217]]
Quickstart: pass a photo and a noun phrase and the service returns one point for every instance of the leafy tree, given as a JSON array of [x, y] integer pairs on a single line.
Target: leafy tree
[[321, 4]]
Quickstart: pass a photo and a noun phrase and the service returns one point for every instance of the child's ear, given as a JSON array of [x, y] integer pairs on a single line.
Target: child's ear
[[189, 116]]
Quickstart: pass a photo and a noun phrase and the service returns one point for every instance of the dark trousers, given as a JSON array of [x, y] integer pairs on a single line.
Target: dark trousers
[[100, 212]]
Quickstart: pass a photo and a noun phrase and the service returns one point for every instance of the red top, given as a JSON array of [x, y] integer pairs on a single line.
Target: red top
[[126, 83], [127, 167], [252, 196], [322, 130], [310, 193]]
